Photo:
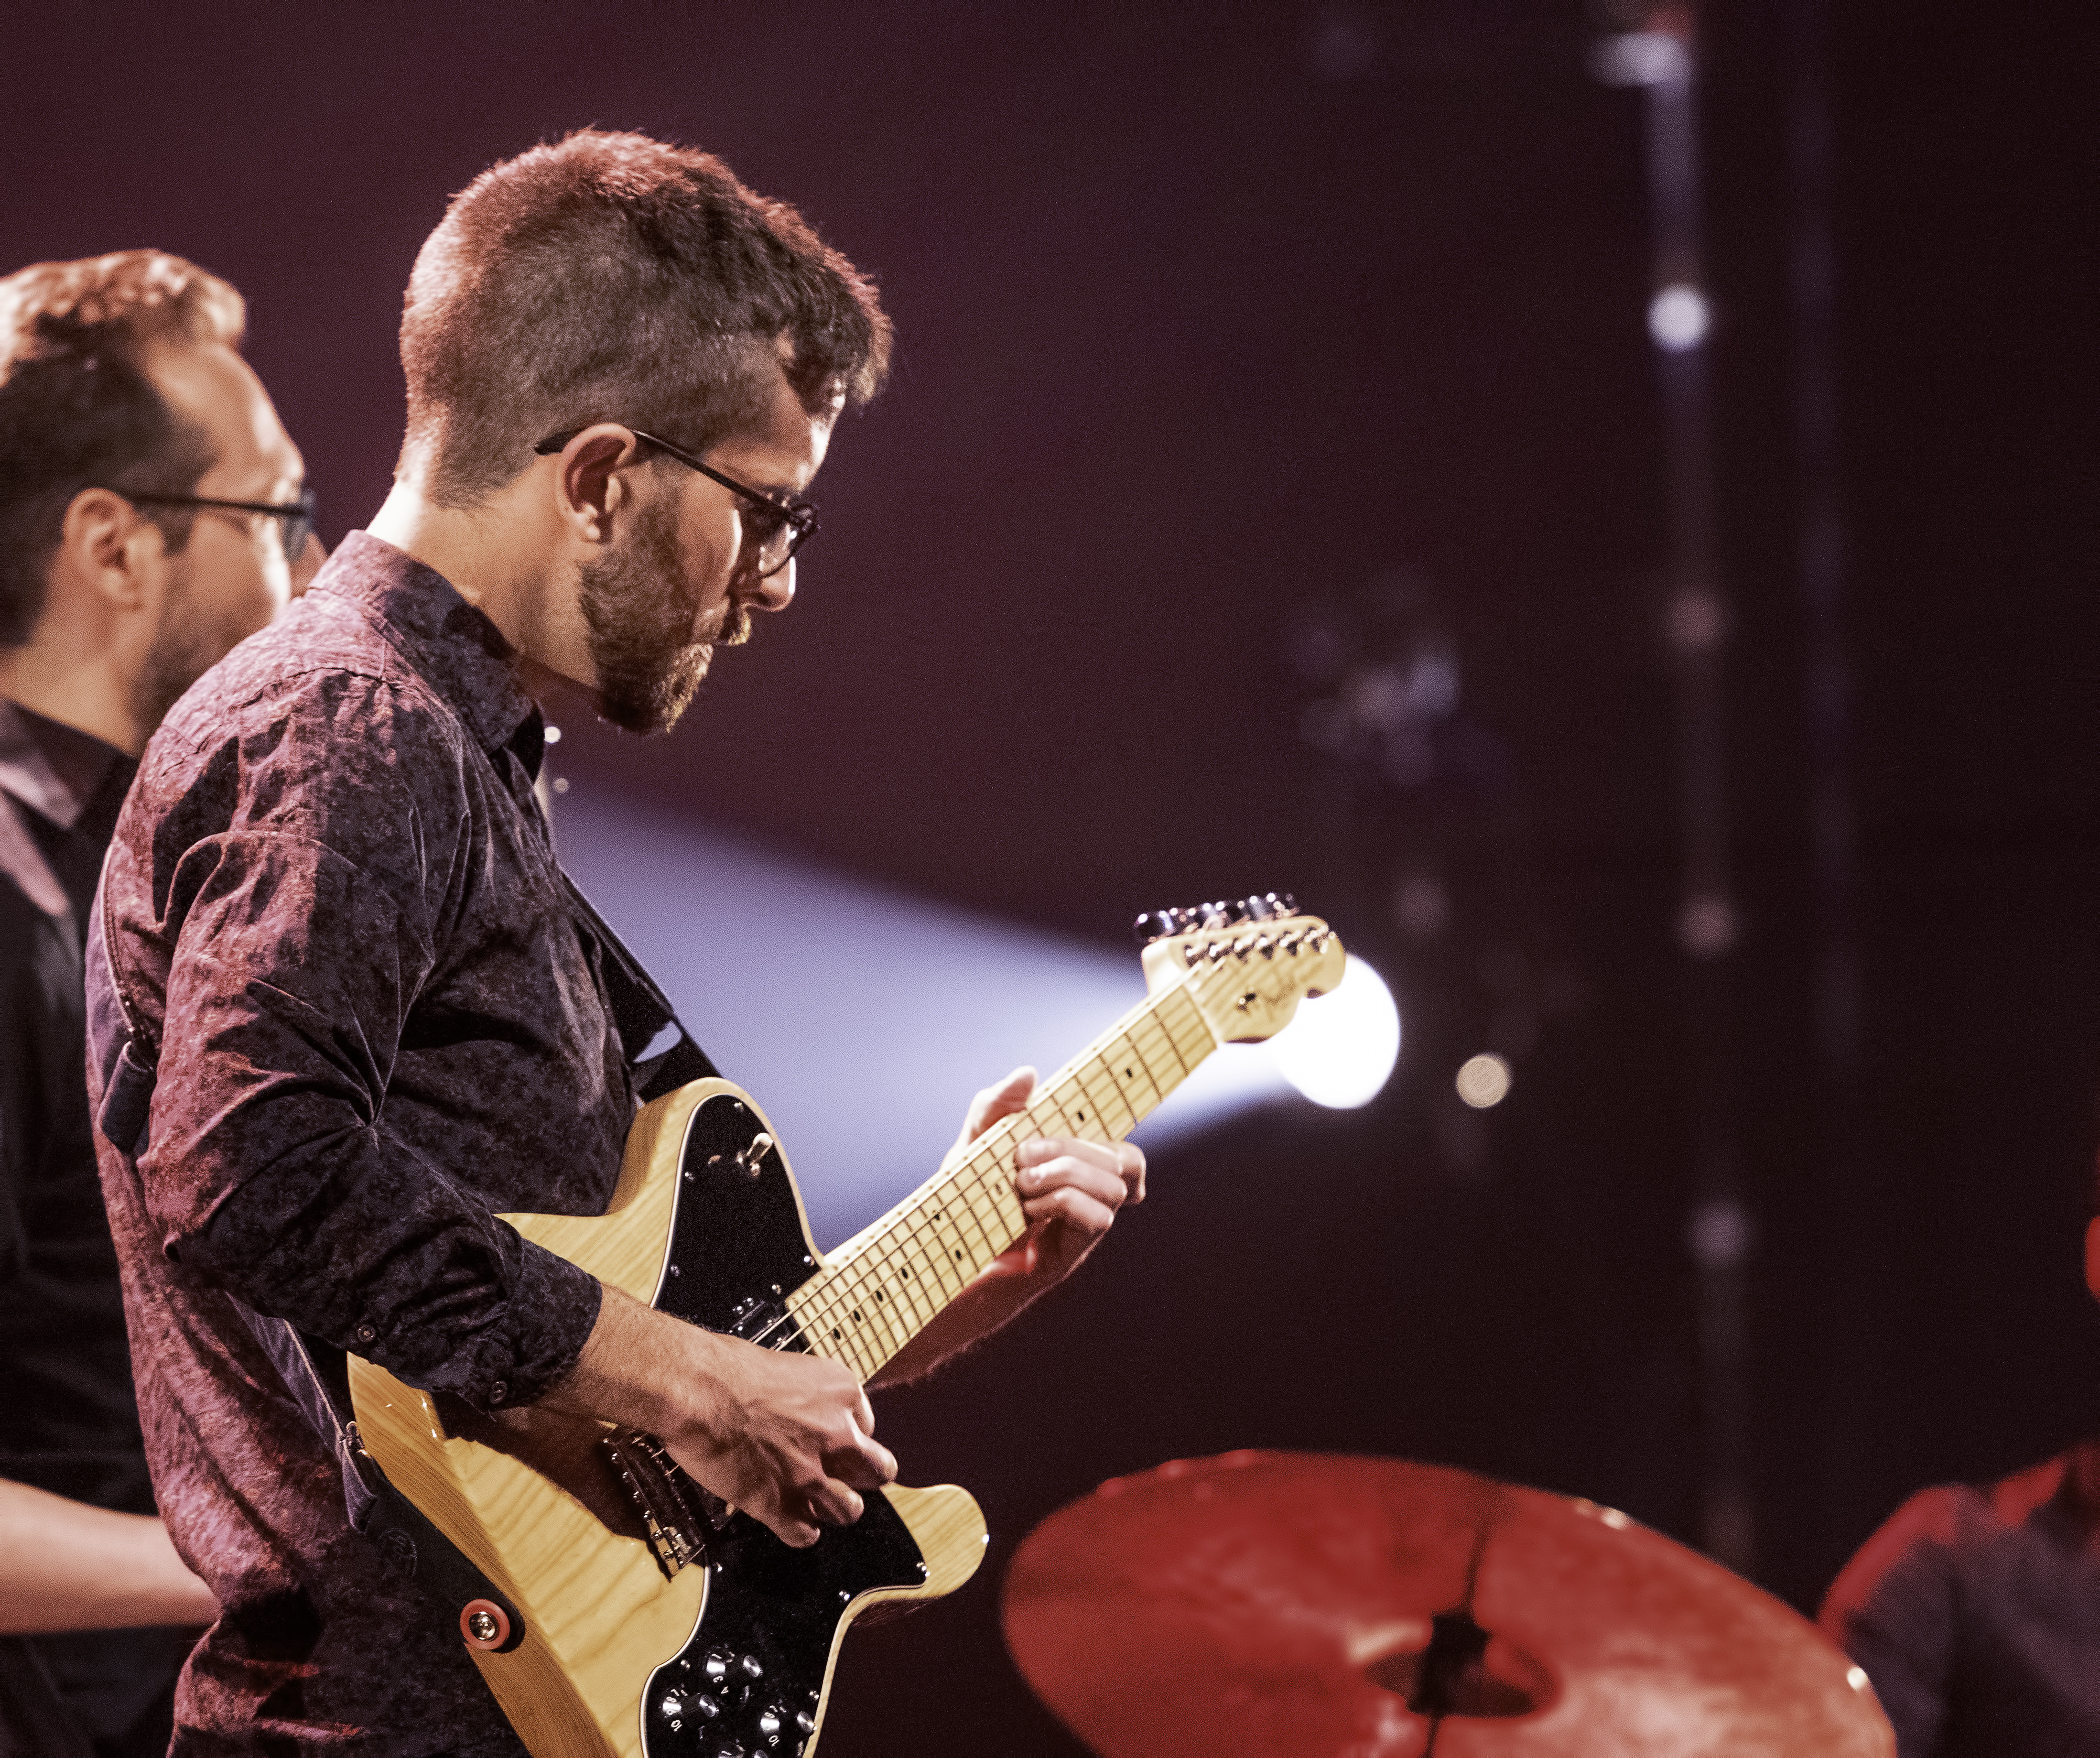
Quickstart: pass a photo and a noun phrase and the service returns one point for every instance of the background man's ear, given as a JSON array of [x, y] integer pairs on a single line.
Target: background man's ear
[[105, 538], [2092, 1256]]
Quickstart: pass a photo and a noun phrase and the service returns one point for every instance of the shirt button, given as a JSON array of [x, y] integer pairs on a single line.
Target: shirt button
[[499, 1391], [365, 1334]]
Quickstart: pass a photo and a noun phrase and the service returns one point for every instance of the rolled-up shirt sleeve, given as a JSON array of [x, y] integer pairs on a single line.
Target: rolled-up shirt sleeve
[[301, 940]]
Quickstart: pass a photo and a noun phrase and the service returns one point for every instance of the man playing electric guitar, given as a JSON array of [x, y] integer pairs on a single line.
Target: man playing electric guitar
[[334, 939]]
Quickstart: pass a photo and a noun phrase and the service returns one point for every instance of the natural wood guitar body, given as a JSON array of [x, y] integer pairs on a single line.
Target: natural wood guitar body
[[537, 1505], [651, 1624]]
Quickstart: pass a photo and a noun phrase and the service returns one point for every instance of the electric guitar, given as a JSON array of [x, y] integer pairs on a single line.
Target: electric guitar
[[636, 1615]]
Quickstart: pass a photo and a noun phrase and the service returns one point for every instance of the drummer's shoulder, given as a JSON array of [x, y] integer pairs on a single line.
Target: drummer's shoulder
[[1934, 1524], [1936, 1528]]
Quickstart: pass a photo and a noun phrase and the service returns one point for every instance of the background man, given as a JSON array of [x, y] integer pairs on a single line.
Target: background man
[[125, 413], [1976, 1612], [333, 919]]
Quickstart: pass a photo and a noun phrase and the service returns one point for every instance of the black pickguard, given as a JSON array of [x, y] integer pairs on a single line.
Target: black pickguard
[[750, 1683]]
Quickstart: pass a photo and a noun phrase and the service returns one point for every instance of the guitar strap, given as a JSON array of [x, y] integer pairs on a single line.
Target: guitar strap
[[316, 1373], [641, 1010]]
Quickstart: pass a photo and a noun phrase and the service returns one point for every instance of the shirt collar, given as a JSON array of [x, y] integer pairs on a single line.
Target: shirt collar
[[456, 650], [53, 769]]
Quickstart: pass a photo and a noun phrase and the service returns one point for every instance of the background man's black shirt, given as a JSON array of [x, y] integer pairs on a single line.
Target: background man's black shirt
[[68, 1420]]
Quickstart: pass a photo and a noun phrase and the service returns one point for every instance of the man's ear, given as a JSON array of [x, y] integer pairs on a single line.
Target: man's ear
[[589, 486], [111, 549], [2092, 1256]]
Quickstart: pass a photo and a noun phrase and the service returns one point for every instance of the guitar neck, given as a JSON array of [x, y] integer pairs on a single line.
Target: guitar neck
[[884, 1285]]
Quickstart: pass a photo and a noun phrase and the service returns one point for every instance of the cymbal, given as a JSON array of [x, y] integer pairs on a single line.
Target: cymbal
[[1302, 1606]]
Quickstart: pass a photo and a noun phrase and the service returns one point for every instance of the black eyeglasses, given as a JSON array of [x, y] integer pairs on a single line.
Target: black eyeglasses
[[297, 515], [775, 529]]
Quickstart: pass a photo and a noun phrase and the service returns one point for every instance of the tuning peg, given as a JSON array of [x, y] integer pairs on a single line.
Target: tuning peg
[[1154, 924], [1256, 908]]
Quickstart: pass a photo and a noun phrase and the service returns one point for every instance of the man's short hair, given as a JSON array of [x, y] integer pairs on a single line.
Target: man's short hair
[[609, 277], [77, 409]]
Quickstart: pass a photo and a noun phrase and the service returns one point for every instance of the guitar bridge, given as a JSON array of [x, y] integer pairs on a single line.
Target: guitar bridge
[[672, 1506]]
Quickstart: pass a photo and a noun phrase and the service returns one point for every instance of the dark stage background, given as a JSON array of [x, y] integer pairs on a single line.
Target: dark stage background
[[1227, 332]]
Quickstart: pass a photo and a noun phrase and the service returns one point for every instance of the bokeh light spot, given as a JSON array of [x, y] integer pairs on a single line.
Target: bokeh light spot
[[1484, 1081], [1678, 318]]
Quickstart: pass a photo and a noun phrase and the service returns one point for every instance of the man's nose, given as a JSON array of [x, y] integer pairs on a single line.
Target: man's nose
[[774, 592]]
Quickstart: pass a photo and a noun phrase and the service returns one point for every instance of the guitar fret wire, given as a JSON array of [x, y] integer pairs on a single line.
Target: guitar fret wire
[[1129, 1055], [859, 1316], [847, 1341], [838, 1340], [937, 1230], [863, 1311], [953, 1247], [923, 1311], [990, 1197], [983, 1165], [897, 1293], [929, 1260], [868, 1297], [1101, 1111], [932, 1242]]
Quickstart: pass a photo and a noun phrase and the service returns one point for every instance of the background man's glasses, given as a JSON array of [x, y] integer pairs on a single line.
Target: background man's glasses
[[296, 516], [775, 529]]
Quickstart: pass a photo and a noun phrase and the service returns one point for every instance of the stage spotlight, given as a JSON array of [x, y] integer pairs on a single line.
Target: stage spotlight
[[1340, 1049], [1484, 1081], [1678, 318], [862, 1018]]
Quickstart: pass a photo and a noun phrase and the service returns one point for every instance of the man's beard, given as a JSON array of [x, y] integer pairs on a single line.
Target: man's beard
[[188, 642], [640, 609]]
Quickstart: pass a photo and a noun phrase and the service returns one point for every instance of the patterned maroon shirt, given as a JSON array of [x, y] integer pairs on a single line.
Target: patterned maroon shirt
[[332, 908]]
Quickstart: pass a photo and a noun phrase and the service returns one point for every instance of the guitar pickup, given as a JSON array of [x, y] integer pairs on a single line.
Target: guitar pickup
[[665, 1497], [758, 1320]]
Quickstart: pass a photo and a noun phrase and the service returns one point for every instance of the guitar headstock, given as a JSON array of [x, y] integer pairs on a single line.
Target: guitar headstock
[[1246, 964]]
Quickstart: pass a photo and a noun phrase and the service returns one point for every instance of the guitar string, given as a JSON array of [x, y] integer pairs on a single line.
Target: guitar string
[[985, 1165], [1055, 1112], [979, 1181], [1058, 1098]]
